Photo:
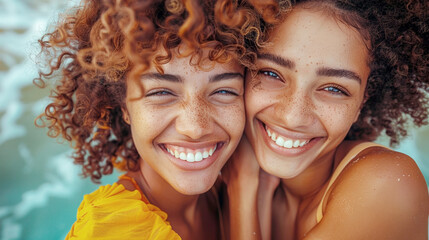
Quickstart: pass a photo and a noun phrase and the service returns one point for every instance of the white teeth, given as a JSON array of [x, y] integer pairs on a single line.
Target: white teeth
[[296, 143], [273, 136], [192, 157], [280, 141], [198, 157], [212, 151], [287, 143]]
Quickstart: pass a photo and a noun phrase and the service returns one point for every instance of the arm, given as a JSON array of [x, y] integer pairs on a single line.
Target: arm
[[250, 193], [241, 177], [266, 188], [383, 195]]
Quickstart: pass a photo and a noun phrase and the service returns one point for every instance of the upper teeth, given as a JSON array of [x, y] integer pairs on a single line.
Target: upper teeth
[[190, 155], [285, 142]]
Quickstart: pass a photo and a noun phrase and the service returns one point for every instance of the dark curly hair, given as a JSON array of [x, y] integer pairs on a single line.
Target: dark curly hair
[[99, 44], [397, 35]]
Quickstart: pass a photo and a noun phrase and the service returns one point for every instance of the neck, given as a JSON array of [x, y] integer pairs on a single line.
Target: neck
[[190, 216], [312, 180], [161, 194]]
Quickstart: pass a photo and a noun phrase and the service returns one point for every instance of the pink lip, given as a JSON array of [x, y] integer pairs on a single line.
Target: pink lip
[[288, 152], [194, 166]]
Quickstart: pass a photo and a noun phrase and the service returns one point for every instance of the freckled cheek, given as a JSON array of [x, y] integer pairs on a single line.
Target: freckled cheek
[[338, 117], [146, 123], [231, 118]]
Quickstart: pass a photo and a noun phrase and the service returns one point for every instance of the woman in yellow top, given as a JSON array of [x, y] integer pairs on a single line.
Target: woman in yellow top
[[335, 75], [154, 88]]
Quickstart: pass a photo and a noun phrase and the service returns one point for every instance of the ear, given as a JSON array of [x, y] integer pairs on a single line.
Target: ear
[[125, 115]]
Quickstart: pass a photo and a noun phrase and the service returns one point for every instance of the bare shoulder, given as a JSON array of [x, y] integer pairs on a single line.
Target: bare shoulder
[[381, 194], [380, 170]]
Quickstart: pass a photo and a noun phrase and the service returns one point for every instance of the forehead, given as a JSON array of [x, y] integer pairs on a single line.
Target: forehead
[[317, 35], [195, 63]]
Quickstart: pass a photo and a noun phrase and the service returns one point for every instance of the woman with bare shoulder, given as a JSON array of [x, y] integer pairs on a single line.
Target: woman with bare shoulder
[[334, 76]]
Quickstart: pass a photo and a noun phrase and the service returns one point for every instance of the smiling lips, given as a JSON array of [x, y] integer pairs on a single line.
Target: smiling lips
[[190, 155], [284, 141]]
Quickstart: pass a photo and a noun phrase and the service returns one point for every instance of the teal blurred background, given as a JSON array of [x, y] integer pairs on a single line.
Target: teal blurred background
[[40, 188]]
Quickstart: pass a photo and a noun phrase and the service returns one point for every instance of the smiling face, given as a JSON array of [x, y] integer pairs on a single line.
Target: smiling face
[[307, 92], [187, 122]]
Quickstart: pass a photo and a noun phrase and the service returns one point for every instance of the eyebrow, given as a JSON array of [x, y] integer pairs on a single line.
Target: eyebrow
[[277, 59], [178, 79], [164, 77], [225, 76], [342, 73], [329, 72]]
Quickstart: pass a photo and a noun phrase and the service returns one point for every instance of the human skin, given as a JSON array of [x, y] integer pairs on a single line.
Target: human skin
[[193, 112], [310, 87]]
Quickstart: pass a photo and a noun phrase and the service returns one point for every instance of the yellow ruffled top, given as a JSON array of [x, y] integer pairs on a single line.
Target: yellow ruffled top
[[113, 212]]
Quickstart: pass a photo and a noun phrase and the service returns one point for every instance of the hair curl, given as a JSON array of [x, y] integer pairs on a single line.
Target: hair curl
[[99, 44], [397, 33]]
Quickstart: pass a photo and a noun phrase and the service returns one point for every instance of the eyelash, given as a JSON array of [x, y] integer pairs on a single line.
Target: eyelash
[[337, 90], [270, 74], [159, 93], [225, 92], [162, 93]]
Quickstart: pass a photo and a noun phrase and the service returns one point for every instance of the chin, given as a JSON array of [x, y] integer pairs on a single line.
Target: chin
[[194, 187], [278, 167]]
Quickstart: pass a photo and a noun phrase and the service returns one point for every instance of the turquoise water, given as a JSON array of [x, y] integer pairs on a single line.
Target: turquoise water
[[40, 188]]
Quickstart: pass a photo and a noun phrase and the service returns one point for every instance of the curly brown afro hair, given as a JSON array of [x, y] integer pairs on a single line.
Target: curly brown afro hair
[[97, 45]]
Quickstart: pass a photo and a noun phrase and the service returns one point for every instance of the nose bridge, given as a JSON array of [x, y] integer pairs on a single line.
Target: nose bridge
[[194, 118], [296, 108]]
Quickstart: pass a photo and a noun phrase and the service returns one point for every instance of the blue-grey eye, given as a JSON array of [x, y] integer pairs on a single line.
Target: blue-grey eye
[[335, 90], [271, 74], [159, 93], [226, 92]]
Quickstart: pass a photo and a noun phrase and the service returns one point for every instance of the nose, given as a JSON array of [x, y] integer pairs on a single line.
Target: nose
[[194, 119], [295, 109]]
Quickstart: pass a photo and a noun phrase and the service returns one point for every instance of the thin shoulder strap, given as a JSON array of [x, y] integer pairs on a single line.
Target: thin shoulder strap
[[346, 160]]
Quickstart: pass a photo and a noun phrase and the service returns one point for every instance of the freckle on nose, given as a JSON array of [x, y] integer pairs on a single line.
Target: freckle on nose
[[200, 107]]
